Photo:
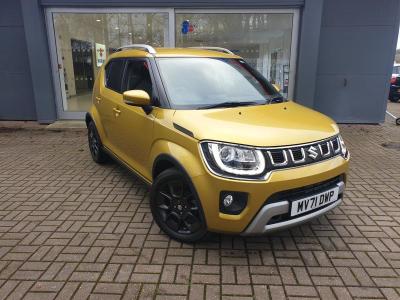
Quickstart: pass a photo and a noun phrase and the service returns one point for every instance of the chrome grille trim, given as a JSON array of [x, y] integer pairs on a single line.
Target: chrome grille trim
[[284, 163], [299, 160], [328, 146], [337, 150], [313, 152]]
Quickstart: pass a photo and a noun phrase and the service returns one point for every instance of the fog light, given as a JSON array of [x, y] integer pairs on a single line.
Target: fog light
[[228, 200], [232, 203]]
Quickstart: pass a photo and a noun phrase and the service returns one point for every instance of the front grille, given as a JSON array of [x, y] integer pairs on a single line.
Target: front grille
[[335, 145], [324, 147], [298, 154], [278, 157], [291, 156]]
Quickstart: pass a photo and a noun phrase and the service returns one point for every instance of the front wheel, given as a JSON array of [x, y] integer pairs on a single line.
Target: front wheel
[[176, 207]]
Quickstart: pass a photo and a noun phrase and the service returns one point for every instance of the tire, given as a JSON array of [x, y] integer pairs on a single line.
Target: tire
[[398, 121], [95, 145], [176, 208]]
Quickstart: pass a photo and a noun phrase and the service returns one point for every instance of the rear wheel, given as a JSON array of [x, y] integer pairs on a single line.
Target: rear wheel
[[176, 208], [95, 145]]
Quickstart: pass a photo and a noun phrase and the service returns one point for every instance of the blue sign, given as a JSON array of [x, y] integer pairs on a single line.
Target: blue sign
[[185, 26]]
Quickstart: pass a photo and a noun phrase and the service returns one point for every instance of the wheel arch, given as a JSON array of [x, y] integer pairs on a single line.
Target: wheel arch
[[168, 161], [166, 154], [93, 115], [88, 119]]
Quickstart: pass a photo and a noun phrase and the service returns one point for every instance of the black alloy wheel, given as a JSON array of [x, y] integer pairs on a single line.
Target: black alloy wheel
[[95, 146], [176, 208]]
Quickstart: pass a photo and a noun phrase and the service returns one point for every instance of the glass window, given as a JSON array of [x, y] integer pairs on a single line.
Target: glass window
[[200, 82], [114, 71], [85, 40], [262, 39], [138, 76]]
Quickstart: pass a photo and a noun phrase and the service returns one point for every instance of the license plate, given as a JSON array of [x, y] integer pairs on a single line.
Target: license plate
[[310, 203]]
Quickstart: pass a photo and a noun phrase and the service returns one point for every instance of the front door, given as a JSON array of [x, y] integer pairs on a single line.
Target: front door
[[132, 128]]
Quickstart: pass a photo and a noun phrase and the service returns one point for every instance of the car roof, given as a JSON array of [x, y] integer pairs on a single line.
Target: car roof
[[172, 52]]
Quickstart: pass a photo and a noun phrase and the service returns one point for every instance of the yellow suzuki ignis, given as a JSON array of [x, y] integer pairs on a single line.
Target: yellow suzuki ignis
[[220, 147]]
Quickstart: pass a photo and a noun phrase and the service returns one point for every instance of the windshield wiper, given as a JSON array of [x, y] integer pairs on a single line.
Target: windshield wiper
[[229, 104]]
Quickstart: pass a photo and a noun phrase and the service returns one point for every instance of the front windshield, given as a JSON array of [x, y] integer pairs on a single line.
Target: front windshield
[[193, 82]]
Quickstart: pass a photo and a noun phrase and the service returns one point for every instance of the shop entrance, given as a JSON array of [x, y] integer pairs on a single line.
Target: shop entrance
[[82, 39]]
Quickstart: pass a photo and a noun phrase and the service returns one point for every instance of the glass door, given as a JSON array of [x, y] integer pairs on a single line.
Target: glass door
[[267, 40], [81, 41]]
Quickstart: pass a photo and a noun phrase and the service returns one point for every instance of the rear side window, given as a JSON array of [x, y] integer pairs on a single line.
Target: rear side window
[[114, 71]]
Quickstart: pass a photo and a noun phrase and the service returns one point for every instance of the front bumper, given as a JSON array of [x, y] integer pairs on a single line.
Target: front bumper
[[209, 187], [261, 223]]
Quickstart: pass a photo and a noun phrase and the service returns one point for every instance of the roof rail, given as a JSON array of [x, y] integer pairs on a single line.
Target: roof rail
[[145, 47], [220, 49]]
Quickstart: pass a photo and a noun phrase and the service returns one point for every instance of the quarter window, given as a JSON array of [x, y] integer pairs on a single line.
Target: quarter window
[[114, 71]]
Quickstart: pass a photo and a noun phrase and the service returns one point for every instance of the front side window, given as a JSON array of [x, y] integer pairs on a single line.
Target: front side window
[[138, 77], [113, 74], [203, 82]]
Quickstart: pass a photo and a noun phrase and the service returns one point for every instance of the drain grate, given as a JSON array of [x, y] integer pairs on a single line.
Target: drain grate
[[391, 145]]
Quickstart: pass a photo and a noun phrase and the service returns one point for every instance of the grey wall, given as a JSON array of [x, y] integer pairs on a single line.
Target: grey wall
[[16, 97], [356, 53], [343, 68], [39, 60], [177, 3], [308, 49]]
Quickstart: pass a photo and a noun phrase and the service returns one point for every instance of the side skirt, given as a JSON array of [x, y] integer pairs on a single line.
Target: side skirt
[[126, 166]]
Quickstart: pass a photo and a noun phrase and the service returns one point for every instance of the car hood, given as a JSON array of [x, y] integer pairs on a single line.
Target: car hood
[[279, 124]]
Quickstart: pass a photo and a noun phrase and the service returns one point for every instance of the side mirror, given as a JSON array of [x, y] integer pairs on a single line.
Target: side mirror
[[136, 98], [277, 87]]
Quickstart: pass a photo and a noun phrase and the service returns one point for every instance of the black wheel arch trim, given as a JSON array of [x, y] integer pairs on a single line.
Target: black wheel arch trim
[[88, 118], [178, 165], [169, 158]]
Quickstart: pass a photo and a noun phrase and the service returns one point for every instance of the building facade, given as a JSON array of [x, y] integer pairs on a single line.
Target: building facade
[[334, 56]]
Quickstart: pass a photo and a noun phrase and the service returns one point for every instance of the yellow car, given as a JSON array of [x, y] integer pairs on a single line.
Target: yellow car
[[219, 146]]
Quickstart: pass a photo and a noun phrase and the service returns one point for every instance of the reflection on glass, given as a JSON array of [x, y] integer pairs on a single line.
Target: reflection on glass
[[85, 40], [263, 40], [210, 81]]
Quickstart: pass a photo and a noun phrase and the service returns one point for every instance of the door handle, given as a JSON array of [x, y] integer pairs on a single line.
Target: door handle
[[116, 111], [98, 99]]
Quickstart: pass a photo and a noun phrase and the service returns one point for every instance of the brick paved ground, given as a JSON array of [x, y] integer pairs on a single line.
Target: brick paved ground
[[71, 228]]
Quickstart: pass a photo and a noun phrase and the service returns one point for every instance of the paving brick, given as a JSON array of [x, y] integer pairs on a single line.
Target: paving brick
[[72, 229]]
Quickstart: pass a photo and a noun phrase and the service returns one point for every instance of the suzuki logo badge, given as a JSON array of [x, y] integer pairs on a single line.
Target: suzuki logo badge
[[312, 152]]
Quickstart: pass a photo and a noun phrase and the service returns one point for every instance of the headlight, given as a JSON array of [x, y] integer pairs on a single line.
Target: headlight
[[343, 149], [225, 159]]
